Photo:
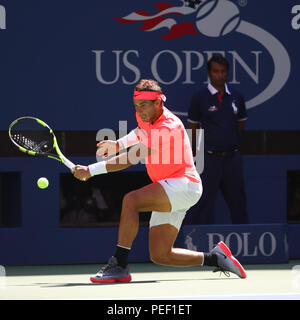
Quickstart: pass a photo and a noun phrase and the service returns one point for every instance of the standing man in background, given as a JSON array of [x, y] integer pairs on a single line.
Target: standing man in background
[[221, 113]]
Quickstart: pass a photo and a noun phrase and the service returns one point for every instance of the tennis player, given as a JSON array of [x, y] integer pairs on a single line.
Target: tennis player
[[161, 140]]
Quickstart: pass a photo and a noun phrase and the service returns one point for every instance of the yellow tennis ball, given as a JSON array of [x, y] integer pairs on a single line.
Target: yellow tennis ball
[[43, 183]]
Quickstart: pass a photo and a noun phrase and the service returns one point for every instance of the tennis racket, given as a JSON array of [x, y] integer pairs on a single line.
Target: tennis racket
[[35, 138]]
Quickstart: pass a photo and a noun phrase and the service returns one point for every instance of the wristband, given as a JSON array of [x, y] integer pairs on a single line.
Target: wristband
[[97, 168], [127, 141]]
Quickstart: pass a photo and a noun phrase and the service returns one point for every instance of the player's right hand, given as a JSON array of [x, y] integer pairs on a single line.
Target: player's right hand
[[107, 148], [82, 173]]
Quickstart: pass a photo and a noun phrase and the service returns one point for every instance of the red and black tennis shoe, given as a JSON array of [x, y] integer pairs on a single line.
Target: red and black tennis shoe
[[226, 261], [112, 272]]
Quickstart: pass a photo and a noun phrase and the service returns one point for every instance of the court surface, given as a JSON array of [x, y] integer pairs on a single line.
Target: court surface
[[150, 281]]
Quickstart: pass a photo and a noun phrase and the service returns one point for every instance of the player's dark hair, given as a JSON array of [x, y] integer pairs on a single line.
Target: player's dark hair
[[218, 59], [148, 85]]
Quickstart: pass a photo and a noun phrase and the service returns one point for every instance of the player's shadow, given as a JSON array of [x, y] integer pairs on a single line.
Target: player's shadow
[[83, 284]]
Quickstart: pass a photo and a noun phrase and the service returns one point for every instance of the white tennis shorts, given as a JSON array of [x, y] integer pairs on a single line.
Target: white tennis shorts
[[182, 194]]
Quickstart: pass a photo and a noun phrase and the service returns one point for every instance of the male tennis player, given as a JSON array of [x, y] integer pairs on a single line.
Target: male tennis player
[[162, 141]]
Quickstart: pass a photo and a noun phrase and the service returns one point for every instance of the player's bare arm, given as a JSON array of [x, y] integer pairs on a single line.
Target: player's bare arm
[[117, 163]]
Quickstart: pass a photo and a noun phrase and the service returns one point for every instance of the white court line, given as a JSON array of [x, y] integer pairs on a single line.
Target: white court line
[[254, 296]]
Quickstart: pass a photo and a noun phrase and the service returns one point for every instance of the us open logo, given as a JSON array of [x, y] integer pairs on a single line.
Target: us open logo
[[214, 19]]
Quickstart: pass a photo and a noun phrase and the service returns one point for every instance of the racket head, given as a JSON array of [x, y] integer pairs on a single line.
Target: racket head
[[33, 136]]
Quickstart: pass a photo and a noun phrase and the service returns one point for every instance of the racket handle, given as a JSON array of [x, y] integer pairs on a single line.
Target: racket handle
[[69, 164]]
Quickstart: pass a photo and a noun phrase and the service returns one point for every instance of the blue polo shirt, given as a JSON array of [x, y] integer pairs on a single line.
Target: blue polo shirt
[[218, 119]]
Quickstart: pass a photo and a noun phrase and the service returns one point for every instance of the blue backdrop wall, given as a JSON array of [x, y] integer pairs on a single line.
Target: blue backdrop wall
[[75, 63]]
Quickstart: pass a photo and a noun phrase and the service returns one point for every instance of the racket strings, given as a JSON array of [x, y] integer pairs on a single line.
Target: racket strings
[[43, 146]]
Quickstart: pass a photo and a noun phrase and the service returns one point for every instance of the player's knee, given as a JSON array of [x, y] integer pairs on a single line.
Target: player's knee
[[128, 199], [131, 200], [160, 257]]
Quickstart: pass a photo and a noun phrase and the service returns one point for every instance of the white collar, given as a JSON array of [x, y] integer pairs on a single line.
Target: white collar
[[213, 90]]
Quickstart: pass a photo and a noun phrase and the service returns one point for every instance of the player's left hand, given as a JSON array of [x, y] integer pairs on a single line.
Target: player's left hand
[[82, 173], [107, 148]]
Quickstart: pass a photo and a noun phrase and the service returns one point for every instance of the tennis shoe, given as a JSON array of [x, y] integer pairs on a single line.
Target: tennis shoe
[[112, 272], [227, 262]]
